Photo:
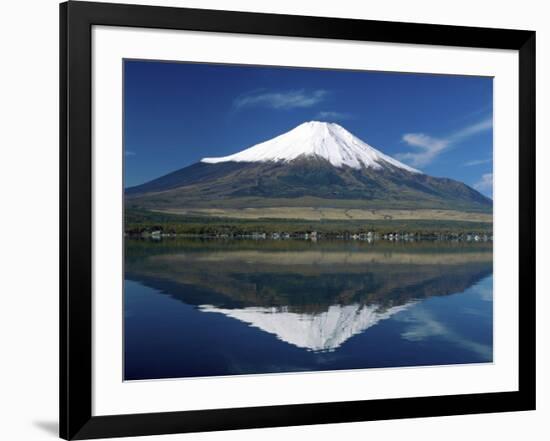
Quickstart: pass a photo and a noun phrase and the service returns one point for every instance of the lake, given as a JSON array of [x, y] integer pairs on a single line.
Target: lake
[[197, 308]]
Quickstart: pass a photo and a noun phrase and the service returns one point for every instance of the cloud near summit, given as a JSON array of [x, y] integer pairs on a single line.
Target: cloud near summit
[[427, 147], [286, 100]]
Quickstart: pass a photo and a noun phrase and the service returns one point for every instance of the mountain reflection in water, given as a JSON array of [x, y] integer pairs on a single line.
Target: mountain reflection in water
[[312, 296]]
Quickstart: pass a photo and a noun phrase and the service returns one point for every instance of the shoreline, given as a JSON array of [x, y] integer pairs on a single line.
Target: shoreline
[[315, 236], [143, 223]]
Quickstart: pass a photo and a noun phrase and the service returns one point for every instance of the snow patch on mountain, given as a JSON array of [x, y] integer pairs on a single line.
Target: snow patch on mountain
[[328, 141], [316, 332]]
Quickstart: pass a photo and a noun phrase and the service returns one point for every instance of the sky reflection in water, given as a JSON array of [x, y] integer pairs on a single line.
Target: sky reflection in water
[[197, 308]]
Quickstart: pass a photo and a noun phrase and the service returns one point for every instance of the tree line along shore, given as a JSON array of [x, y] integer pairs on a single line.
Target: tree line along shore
[[154, 225]]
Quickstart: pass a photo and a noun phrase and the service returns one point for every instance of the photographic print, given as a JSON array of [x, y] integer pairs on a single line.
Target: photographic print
[[282, 219]]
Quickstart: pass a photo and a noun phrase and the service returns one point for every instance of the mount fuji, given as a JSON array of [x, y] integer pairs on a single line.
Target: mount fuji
[[318, 140], [316, 164]]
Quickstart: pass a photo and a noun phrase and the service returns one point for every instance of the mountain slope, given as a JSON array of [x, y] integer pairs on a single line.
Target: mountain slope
[[315, 164]]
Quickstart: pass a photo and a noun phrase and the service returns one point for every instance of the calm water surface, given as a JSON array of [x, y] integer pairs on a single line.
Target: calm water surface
[[202, 308]]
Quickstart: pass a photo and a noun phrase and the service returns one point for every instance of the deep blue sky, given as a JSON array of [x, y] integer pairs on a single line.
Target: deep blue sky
[[177, 113]]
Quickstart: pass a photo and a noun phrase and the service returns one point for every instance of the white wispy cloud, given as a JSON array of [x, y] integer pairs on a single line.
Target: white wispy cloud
[[428, 147], [478, 162], [424, 326], [481, 126], [333, 115], [485, 183], [281, 100], [483, 110], [129, 153]]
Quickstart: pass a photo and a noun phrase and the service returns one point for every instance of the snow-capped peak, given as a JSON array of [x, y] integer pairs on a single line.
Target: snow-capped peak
[[324, 140], [316, 332]]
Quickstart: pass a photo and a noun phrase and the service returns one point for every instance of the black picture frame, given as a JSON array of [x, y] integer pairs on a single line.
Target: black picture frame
[[76, 21]]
